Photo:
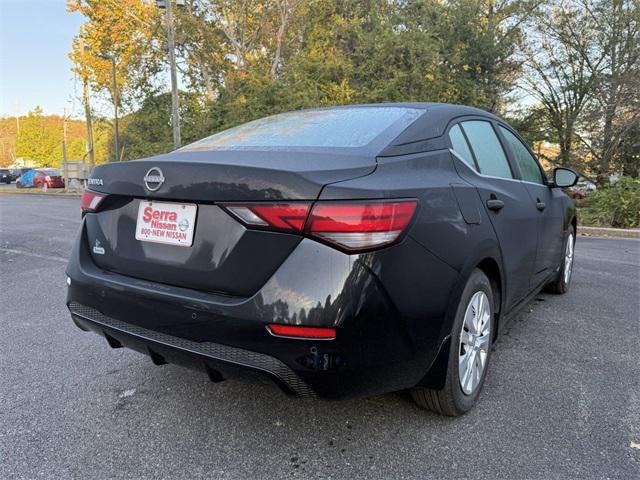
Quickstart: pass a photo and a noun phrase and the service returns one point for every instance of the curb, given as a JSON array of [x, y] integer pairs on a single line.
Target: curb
[[39, 192], [608, 232]]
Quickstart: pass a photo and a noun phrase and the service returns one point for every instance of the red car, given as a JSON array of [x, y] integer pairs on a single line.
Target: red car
[[48, 178]]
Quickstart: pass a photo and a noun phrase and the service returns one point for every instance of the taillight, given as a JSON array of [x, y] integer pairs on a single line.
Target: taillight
[[351, 226], [361, 226], [274, 216], [91, 201], [297, 331]]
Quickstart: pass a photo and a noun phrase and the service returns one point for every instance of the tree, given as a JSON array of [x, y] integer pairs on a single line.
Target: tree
[[203, 47], [243, 59], [40, 139], [558, 75], [611, 119], [127, 30], [285, 9], [147, 132], [8, 131], [242, 22], [478, 42]]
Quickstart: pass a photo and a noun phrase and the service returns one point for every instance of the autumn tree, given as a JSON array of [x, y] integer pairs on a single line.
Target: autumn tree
[[202, 46], [243, 59], [8, 130], [127, 30]]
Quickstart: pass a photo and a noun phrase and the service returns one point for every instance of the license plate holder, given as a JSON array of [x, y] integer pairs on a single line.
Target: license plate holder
[[165, 222]]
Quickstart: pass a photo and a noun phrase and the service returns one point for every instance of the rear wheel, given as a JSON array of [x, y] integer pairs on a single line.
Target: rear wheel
[[469, 353], [561, 283]]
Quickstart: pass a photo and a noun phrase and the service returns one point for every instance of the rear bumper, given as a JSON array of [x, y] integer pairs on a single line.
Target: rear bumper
[[384, 342], [218, 361]]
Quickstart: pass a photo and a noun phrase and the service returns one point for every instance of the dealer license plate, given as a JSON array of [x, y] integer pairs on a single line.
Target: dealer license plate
[[162, 222]]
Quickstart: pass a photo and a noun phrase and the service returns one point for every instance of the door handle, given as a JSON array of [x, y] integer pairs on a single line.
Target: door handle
[[495, 204], [540, 205]]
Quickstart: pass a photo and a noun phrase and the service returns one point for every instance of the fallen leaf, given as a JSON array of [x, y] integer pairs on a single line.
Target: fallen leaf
[[127, 393]]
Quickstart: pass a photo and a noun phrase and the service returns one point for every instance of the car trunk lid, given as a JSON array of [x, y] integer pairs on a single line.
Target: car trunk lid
[[224, 256]]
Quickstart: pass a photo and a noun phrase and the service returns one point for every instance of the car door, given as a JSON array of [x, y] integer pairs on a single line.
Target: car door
[[547, 203], [505, 199]]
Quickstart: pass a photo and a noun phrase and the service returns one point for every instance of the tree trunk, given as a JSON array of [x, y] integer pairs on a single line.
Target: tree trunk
[[608, 143], [276, 56]]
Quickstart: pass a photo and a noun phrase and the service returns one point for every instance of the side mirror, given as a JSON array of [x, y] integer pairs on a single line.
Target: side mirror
[[564, 177]]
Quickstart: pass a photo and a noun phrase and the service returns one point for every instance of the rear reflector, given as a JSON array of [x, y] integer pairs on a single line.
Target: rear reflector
[[295, 331], [91, 201], [351, 226]]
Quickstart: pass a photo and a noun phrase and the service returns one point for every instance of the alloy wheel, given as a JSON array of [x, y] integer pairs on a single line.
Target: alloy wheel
[[568, 259], [475, 340]]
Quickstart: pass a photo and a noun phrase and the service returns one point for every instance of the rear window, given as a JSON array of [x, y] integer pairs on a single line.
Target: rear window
[[52, 172], [342, 127]]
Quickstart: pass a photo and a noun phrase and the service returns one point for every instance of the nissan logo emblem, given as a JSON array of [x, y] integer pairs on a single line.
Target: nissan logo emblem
[[154, 179]]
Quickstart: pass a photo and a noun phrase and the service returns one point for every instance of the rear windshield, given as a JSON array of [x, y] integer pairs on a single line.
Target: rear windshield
[[342, 127], [50, 171]]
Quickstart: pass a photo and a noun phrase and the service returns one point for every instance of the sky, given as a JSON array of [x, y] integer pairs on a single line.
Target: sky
[[35, 38]]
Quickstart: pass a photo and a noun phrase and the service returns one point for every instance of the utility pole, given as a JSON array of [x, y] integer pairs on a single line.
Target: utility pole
[[65, 157], [17, 117], [171, 44], [114, 87], [89, 120], [64, 137], [87, 114], [115, 105]]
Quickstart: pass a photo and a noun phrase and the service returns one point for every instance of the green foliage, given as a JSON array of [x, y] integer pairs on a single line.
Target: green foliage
[[617, 206], [40, 139], [244, 59], [148, 131]]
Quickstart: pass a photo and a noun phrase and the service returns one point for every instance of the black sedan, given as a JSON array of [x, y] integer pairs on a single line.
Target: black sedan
[[341, 252], [6, 176]]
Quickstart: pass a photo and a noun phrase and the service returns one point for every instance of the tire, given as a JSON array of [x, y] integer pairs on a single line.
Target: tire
[[560, 284], [459, 396]]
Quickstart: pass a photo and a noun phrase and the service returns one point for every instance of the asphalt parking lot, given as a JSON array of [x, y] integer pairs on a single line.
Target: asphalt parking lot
[[562, 398]]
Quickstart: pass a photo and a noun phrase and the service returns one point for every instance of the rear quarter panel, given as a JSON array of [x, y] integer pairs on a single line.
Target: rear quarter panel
[[426, 273]]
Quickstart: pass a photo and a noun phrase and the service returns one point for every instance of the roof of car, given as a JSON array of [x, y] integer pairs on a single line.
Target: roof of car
[[425, 133], [452, 108]]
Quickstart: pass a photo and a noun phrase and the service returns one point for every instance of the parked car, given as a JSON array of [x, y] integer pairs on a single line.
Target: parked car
[[44, 178], [586, 185], [25, 180], [48, 178], [341, 252], [17, 172], [6, 176], [582, 190]]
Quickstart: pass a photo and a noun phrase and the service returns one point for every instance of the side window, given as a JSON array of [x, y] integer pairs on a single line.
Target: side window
[[528, 165], [487, 149], [460, 145]]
